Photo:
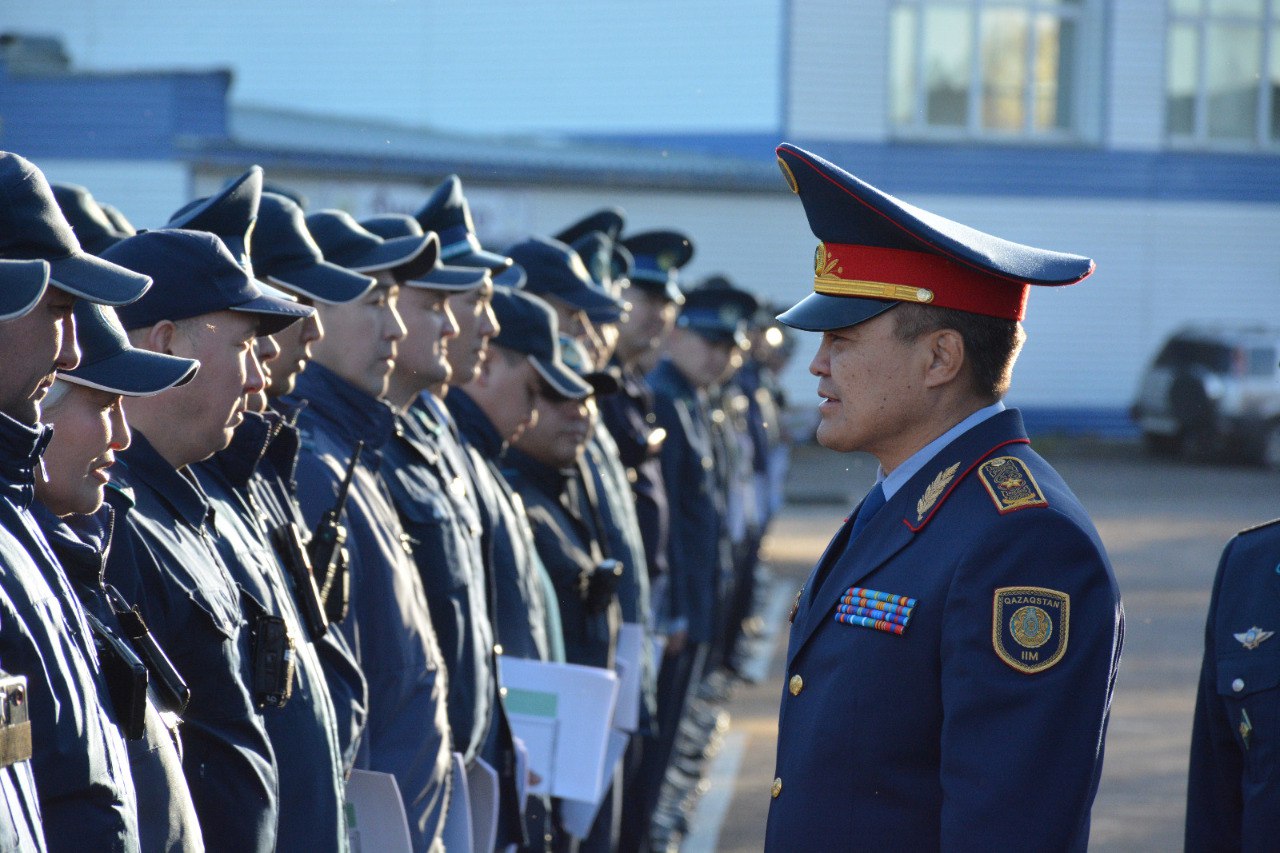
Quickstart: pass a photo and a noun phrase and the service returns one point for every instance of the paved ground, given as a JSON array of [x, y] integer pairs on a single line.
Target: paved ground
[[1164, 525]]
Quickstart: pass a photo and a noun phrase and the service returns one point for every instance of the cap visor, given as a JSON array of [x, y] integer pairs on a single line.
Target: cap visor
[[450, 278], [479, 258], [24, 283], [588, 299], [325, 282], [392, 253], [819, 312], [562, 380], [97, 280], [513, 277], [273, 314], [135, 373]]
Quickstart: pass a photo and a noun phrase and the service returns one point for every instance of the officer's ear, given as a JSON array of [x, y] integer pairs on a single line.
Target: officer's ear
[[945, 353], [157, 338]]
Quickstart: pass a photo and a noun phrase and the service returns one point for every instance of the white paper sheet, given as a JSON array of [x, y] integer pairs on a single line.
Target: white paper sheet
[[577, 816], [378, 822], [562, 713], [630, 647], [482, 784], [457, 833]]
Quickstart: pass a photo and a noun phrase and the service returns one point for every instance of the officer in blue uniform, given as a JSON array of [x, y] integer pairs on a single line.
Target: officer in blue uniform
[[84, 406], [953, 654], [1232, 786], [166, 560], [80, 762], [297, 709], [389, 625]]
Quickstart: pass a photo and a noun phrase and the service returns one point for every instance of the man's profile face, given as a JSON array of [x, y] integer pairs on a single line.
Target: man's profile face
[[516, 384], [423, 359], [32, 348], [870, 386], [362, 337], [701, 360], [473, 313], [213, 403], [295, 350], [560, 431], [646, 325]]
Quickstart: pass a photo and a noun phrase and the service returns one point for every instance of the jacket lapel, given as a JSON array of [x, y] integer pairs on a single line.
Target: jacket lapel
[[895, 526]]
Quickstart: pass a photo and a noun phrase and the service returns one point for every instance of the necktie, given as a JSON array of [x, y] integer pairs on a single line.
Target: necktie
[[871, 504]]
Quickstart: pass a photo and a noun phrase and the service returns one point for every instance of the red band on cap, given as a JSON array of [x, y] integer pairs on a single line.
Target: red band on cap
[[906, 276]]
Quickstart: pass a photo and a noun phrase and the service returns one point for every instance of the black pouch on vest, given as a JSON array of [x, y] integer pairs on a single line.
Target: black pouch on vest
[[15, 724], [126, 677], [272, 655]]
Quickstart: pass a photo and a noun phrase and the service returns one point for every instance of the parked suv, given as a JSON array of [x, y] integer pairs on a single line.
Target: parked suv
[[1214, 391]]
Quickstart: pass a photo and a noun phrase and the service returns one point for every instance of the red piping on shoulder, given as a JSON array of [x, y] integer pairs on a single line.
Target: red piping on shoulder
[[959, 480]]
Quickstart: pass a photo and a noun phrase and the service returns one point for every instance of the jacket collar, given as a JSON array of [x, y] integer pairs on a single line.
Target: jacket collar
[[906, 514], [80, 542], [474, 425], [552, 482], [240, 459], [21, 447], [142, 464], [665, 371], [345, 409]]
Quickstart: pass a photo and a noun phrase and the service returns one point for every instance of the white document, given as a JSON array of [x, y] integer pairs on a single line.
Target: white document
[[376, 814], [457, 832], [629, 666], [577, 816], [482, 785], [522, 773], [562, 712]]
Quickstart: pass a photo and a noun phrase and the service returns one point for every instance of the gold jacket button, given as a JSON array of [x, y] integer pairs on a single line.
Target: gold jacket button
[[777, 787], [796, 685]]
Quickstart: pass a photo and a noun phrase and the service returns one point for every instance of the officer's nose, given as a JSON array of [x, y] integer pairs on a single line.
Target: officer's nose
[[121, 438], [450, 329], [489, 326], [254, 378], [69, 348], [396, 329]]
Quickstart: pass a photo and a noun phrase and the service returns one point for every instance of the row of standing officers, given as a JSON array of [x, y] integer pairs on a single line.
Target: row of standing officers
[[281, 490]]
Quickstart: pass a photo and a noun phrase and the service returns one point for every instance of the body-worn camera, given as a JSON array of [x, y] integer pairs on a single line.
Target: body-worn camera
[[126, 677], [272, 655], [602, 585], [15, 721]]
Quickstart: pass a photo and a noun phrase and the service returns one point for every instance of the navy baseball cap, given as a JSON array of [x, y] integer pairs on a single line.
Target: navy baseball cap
[[609, 264], [109, 362], [95, 231], [284, 254], [657, 257], [195, 274], [118, 220], [32, 227], [574, 354], [448, 214], [231, 213], [513, 277], [22, 283], [528, 325], [555, 269], [436, 276], [345, 242], [718, 312], [877, 251], [608, 220]]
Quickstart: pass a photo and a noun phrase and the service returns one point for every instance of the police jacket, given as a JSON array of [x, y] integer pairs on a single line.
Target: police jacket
[[1233, 786], [79, 759], [522, 601], [696, 512], [19, 808], [164, 560], [166, 816], [930, 686], [630, 418], [446, 536], [275, 489], [304, 731], [565, 542], [389, 625]]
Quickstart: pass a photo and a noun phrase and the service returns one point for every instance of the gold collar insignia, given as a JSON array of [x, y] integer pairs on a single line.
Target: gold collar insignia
[[935, 490]]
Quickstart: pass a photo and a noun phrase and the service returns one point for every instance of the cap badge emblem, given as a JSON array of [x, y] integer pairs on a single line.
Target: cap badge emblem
[[1253, 638]]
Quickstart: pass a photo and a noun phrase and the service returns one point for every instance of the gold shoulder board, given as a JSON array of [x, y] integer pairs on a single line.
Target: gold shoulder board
[[1010, 484]]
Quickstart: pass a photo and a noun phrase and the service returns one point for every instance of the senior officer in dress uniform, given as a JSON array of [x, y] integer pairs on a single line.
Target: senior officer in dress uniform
[[1233, 788], [952, 655]]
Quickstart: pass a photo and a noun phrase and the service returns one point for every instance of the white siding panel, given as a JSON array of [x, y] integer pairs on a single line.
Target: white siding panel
[[147, 192], [839, 59], [1136, 72]]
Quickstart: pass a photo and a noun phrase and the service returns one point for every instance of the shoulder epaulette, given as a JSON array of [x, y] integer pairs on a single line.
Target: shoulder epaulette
[[1010, 484], [1264, 525]]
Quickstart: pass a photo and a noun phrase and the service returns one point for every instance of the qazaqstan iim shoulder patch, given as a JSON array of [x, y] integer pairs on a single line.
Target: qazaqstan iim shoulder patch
[[1029, 627]]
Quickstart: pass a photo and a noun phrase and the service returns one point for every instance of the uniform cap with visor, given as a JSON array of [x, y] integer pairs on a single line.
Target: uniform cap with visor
[[95, 230], [657, 257], [448, 214], [285, 255], [346, 243], [110, 363], [528, 325], [436, 276]]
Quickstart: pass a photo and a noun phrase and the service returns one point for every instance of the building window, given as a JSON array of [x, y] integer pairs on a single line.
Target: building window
[[1222, 81], [985, 68]]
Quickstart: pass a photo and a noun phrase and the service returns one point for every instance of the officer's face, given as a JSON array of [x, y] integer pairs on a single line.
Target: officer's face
[[514, 383], [208, 408], [267, 352], [560, 431], [89, 429], [32, 347], [871, 385], [362, 337], [295, 350], [476, 325], [702, 361], [646, 325], [423, 360]]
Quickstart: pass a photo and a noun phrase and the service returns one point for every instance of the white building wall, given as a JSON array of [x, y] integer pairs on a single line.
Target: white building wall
[[837, 86], [1135, 70], [147, 192]]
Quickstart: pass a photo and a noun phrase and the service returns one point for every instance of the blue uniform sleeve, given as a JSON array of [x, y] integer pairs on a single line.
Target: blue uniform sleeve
[[1022, 751], [1214, 803]]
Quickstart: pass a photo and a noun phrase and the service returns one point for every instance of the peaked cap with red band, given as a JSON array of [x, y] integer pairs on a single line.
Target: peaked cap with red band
[[877, 251]]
